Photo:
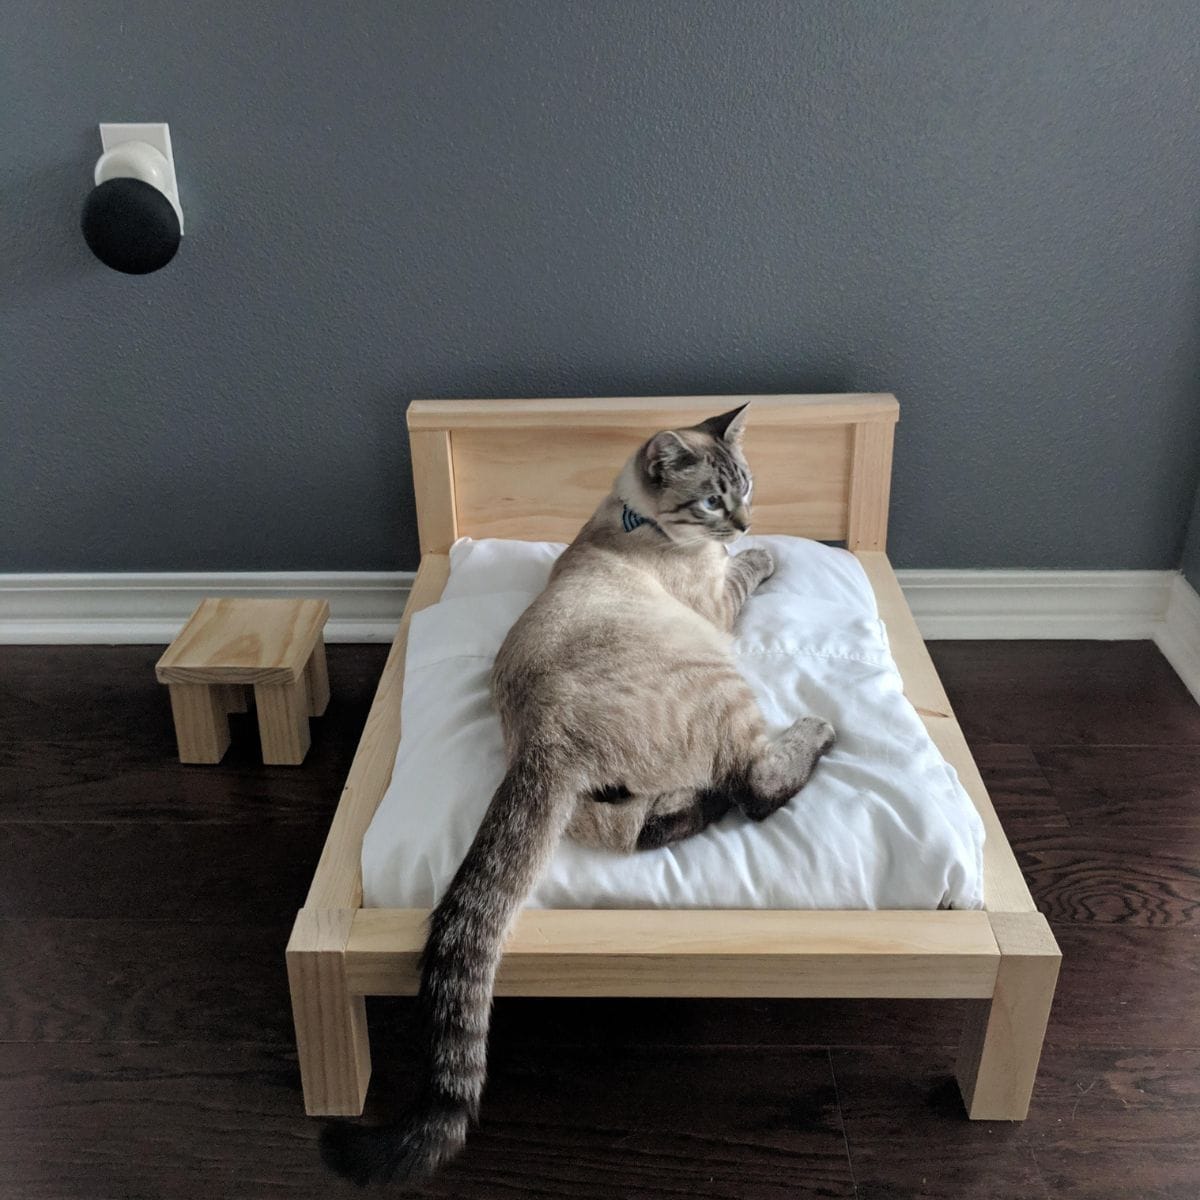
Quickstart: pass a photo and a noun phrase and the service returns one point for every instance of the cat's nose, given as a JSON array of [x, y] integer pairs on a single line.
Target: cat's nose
[[740, 519]]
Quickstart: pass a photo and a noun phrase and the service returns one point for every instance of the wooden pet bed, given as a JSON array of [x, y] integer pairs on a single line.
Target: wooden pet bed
[[536, 469]]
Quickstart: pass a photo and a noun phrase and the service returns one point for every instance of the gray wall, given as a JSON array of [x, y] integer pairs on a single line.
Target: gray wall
[[1191, 549], [989, 208]]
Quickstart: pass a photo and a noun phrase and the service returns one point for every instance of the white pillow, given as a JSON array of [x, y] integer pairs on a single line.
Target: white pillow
[[807, 569], [883, 823]]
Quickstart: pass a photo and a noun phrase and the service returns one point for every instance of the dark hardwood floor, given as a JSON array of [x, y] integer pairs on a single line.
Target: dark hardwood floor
[[145, 1041]]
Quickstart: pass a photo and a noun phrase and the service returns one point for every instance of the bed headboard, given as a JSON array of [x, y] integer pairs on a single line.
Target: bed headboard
[[536, 469]]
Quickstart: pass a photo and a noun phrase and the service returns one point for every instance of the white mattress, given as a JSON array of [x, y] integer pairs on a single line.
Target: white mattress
[[883, 823]]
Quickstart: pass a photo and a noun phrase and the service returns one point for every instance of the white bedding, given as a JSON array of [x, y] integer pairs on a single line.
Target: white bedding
[[883, 823]]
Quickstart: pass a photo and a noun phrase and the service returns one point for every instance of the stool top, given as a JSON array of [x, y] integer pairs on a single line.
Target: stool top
[[244, 641]]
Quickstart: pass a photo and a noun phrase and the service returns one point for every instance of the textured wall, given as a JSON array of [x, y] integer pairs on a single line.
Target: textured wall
[[1191, 549], [989, 208]]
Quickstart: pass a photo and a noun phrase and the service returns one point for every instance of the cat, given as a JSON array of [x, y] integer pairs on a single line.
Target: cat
[[626, 726]]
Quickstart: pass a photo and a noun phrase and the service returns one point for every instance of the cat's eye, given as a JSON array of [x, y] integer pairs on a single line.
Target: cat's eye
[[712, 503]]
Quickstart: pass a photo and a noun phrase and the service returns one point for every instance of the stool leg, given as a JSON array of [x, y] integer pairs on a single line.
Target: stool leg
[[201, 727], [282, 721], [316, 674]]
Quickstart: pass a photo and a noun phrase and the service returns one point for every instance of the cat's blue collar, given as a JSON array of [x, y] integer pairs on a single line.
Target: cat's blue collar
[[631, 519]]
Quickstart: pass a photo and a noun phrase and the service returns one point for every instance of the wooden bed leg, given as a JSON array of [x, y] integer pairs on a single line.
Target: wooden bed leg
[[331, 1024], [1002, 1038]]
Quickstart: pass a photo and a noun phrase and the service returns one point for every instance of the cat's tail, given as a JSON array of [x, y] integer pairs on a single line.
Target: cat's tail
[[467, 930]]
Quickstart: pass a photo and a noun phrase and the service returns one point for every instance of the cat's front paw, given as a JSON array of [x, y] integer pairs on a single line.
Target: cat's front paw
[[760, 562], [815, 732]]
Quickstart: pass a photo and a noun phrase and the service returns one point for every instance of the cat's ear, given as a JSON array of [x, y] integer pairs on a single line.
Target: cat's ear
[[667, 452], [728, 426]]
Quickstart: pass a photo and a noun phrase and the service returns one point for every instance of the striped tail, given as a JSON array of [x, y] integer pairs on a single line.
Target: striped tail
[[467, 929]]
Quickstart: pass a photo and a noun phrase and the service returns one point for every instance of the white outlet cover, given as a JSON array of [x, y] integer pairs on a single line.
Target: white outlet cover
[[156, 134]]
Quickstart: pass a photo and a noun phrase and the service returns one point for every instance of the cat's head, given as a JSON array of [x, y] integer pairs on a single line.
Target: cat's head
[[697, 479]]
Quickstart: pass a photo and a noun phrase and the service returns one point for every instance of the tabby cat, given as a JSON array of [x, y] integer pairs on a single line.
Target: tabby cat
[[626, 726]]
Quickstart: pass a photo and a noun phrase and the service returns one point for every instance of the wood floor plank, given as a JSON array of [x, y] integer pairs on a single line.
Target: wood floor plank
[[86, 779], [750, 1122], [118, 871], [1107, 1123], [145, 1032], [1096, 1145], [738, 1124], [112, 1121], [104, 691], [908, 1134], [83, 769], [1098, 1151], [112, 690], [1099, 876], [1023, 797], [1067, 693], [1132, 1077], [1108, 787], [1120, 984], [158, 981]]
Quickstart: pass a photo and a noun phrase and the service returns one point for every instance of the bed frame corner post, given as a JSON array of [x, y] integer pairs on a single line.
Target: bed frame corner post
[[331, 1024], [870, 483], [1002, 1037], [433, 484]]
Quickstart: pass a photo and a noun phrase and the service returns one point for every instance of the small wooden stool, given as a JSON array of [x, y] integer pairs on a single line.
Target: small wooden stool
[[275, 645]]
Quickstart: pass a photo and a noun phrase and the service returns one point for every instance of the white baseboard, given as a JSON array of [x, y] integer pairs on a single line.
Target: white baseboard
[[366, 605], [114, 609], [1179, 636], [1037, 604]]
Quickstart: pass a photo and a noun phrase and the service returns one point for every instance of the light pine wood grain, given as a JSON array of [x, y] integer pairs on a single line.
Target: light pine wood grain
[[283, 722], [648, 412], [276, 646], [535, 469], [870, 485], [331, 1031], [1002, 1037], [201, 726], [241, 641], [434, 485], [337, 882], [316, 679], [331, 1022], [672, 952], [800, 483]]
